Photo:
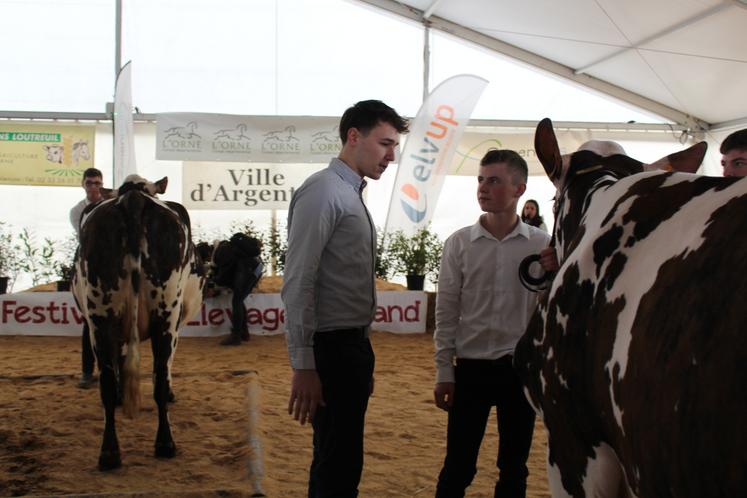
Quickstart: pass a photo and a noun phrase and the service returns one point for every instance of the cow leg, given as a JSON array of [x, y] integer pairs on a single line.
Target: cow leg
[[162, 351], [601, 478], [107, 357]]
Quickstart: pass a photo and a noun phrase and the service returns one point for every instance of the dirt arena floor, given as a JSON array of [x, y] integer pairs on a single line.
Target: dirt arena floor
[[50, 431]]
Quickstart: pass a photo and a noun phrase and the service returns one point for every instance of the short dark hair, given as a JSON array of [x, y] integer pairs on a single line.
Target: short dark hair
[[513, 161], [737, 140], [366, 114], [91, 172]]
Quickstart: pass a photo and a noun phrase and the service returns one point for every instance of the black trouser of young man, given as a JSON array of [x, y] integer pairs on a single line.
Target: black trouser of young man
[[480, 385], [244, 281], [345, 364], [87, 357]]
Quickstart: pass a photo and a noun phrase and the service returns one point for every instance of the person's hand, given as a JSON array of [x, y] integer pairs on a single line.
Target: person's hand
[[549, 259], [306, 395], [444, 395]]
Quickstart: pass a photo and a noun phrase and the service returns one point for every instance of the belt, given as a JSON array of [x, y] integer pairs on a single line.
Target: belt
[[341, 334], [503, 360]]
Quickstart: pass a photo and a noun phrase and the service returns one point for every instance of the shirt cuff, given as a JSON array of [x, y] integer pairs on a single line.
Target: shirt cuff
[[445, 374], [303, 358]]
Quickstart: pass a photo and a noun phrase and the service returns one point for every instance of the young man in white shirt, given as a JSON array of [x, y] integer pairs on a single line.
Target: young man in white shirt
[[330, 297], [92, 182], [734, 154], [482, 310]]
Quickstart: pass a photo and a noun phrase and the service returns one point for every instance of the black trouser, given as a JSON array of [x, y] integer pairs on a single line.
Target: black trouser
[[244, 281], [87, 358], [480, 385], [345, 363]]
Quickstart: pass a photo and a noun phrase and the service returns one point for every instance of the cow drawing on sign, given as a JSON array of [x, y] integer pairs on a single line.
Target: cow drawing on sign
[[635, 357], [136, 277], [54, 153], [236, 134], [186, 132], [80, 151]]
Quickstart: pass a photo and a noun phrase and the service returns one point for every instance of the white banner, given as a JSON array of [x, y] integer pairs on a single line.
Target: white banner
[[55, 313], [474, 145], [124, 138], [434, 135], [242, 185], [228, 137]]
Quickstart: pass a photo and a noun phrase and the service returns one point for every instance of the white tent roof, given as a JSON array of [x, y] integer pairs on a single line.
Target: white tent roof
[[682, 59]]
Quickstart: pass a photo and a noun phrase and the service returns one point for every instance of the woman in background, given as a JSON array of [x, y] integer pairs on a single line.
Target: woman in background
[[530, 214]]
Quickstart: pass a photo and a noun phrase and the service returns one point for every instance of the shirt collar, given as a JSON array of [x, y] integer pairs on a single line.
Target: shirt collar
[[347, 174], [477, 231]]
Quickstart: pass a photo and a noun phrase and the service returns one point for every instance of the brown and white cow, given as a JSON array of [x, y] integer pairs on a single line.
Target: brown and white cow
[[136, 277], [636, 356]]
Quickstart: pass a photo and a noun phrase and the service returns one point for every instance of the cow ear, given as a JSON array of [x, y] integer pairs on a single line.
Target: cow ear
[[107, 193], [685, 161], [548, 152], [162, 184]]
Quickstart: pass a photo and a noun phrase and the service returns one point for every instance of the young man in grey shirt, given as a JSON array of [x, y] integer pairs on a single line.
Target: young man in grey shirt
[[330, 297]]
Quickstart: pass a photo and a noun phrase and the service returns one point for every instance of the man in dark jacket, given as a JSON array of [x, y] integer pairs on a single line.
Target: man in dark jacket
[[237, 266]]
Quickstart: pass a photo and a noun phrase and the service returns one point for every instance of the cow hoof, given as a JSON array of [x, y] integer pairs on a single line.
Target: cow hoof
[[109, 461], [165, 450]]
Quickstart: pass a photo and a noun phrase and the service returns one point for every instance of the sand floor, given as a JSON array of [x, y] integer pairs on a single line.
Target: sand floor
[[50, 431]]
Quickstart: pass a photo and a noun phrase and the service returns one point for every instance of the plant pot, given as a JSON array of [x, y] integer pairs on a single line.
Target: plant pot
[[63, 285], [415, 282], [4, 284]]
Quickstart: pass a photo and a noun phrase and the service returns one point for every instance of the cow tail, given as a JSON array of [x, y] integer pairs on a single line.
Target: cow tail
[[133, 204]]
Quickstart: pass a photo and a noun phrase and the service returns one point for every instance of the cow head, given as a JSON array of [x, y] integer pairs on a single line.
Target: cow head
[[597, 164], [136, 182]]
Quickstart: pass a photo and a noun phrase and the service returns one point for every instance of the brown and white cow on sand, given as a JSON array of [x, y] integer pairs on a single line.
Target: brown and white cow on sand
[[136, 277], [636, 358]]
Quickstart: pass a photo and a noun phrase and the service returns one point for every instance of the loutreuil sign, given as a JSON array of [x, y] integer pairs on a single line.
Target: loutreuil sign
[[55, 313], [211, 185], [228, 137]]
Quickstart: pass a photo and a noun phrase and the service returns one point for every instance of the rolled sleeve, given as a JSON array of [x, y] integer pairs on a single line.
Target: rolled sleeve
[[447, 312]]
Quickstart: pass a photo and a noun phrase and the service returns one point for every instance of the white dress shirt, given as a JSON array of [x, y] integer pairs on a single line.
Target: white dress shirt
[[481, 307]]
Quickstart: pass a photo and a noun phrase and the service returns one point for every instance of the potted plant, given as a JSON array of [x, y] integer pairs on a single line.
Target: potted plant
[[417, 256], [8, 259]]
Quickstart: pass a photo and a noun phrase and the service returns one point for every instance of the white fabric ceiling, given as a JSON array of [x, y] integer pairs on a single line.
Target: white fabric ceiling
[[682, 59]]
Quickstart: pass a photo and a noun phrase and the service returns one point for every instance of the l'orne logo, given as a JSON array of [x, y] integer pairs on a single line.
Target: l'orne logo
[[182, 138]]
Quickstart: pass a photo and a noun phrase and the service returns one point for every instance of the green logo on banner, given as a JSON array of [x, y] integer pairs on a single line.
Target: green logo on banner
[[22, 136]]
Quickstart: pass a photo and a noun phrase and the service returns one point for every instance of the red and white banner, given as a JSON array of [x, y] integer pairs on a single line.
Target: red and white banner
[[55, 313], [434, 135]]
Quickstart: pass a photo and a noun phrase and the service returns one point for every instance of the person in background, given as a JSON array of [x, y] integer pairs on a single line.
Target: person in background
[[482, 310], [734, 154], [92, 182], [237, 266], [330, 297], [530, 214]]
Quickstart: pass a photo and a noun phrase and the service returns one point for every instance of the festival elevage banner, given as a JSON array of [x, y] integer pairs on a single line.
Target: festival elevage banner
[[45, 154]]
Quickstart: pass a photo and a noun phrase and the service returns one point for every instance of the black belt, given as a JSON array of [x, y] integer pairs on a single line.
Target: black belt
[[341, 334], [503, 360]]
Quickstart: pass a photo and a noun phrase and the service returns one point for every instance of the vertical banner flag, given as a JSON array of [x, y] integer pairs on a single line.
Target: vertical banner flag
[[434, 135], [124, 142]]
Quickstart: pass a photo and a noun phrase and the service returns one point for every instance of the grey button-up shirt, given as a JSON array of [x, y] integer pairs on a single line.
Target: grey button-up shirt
[[329, 267]]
